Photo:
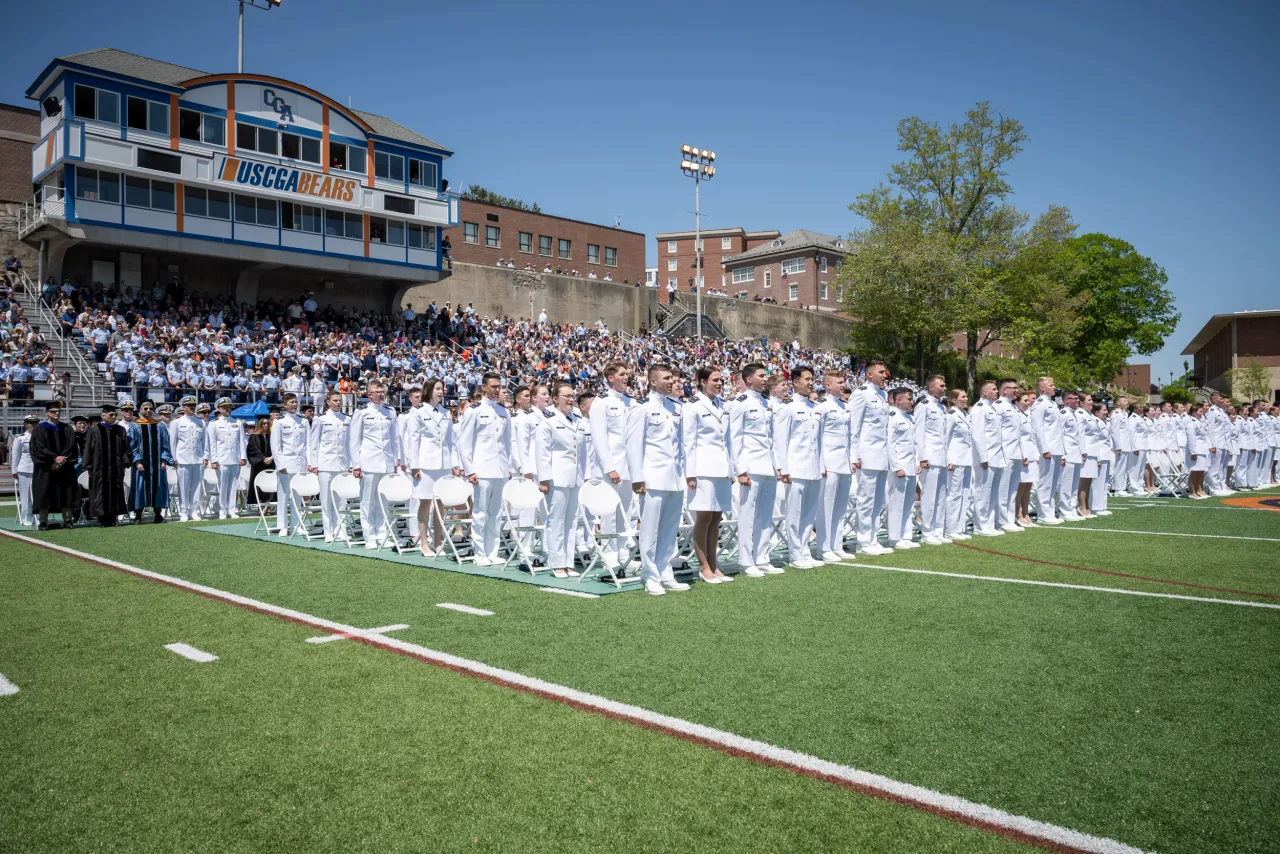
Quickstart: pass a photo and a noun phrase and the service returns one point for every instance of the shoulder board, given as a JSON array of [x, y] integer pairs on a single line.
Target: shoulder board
[[546, 414], [740, 398]]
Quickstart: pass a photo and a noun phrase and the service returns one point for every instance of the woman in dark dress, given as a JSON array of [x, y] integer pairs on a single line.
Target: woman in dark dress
[[259, 455], [54, 455]]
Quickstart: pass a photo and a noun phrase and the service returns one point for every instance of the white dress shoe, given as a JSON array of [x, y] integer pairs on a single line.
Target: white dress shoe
[[282, 533], [904, 544], [933, 541], [724, 579], [753, 572], [770, 569], [1011, 528], [831, 557], [677, 586], [481, 560], [844, 555], [988, 532], [946, 541], [328, 538], [876, 549], [1071, 517], [371, 544], [653, 588], [705, 580], [960, 536], [1051, 520]]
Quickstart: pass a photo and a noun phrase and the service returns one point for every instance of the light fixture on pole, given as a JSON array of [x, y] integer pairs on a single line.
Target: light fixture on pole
[[270, 4], [696, 163]]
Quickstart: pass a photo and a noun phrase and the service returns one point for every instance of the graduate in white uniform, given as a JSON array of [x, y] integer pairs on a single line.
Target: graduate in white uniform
[[1100, 459], [187, 442], [437, 457], [837, 460], [1014, 461], [608, 440], [933, 430], [1029, 455], [1123, 455], [989, 462], [704, 427], [524, 431], [903, 468], [797, 450], [227, 449], [1198, 441], [655, 460], [289, 452], [750, 440], [959, 467], [372, 451], [408, 429], [1046, 422], [560, 463], [1218, 426], [22, 467], [327, 457], [869, 426], [484, 445], [1074, 443], [1138, 477]]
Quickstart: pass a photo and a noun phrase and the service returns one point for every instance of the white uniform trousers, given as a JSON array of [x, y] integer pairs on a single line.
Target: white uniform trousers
[[24, 500], [1098, 489], [1120, 471], [373, 523], [328, 505], [1069, 489], [659, 528], [413, 519], [871, 496], [614, 549], [933, 501], [1007, 501], [486, 515], [900, 498], [228, 480], [959, 493], [1264, 466], [1216, 478], [835, 506], [528, 519], [189, 477], [986, 495], [1137, 469], [286, 517], [562, 517], [755, 519], [802, 511], [1047, 484], [1255, 468]]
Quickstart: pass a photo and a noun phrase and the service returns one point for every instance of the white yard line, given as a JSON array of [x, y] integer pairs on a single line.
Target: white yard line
[[7, 688], [927, 800], [188, 651], [1169, 534], [579, 593], [380, 630], [465, 609], [1033, 583]]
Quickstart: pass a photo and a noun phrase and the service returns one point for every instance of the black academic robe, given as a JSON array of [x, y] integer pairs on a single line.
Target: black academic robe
[[53, 490], [259, 448], [106, 458]]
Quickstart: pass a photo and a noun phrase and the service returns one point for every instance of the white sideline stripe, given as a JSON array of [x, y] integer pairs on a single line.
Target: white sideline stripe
[[579, 593], [1175, 534], [188, 651], [1034, 583], [7, 688], [465, 609], [917, 795], [377, 631]]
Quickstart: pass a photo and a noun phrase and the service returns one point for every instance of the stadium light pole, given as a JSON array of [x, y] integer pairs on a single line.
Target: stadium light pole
[[696, 163], [271, 4]]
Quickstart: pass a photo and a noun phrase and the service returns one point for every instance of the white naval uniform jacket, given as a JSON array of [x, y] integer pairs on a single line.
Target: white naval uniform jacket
[[20, 461], [1027, 436], [1180, 430], [750, 436], [1121, 432], [1199, 437], [560, 449], [408, 429], [484, 440], [837, 435], [988, 443], [1141, 427], [869, 425], [959, 439], [524, 431], [1169, 423], [902, 443], [1046, 423], [1097, 444], [609, 432], [289, 443], [1073, 438], [1219, 427], [797, 439], [187, 440], [327, 442], [437, 441], [225, 442], [655, 453], [1010, 431], [373, 440], [933, 430], [704, 429]]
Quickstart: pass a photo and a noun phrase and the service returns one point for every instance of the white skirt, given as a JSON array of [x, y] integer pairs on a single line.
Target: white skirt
[[1029, 473], [425, 486], [713, 494], [1090, 468], [1199, 462]]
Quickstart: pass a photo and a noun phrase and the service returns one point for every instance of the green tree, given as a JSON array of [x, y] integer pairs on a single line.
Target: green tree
[[1251, 382], [1176, 394], [477, 193]]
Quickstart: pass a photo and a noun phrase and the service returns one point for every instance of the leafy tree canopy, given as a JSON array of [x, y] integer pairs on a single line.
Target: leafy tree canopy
[[476, 193]]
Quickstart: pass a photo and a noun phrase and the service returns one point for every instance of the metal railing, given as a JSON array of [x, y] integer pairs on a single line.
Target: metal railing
[[72, 356], [49, 203]]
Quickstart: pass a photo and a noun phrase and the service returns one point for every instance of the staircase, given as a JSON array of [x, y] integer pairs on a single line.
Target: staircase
[[681, 321]]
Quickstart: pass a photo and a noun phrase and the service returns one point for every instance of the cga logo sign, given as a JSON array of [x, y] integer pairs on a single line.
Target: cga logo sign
[[275, 102], [288, 180]]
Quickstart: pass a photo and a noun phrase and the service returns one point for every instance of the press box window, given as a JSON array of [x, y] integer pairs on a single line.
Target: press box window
[[564, 248], [544, 245], [389, 166], [593, 254], [526, 241], [422, 173], [422, 237], [470, 232], [300, 217], [145, 193], [610, 256], [95, 186], [97, 104], [148, 115], [200, 127], [347, 157], [160, 161], [338, 224], [398, 204], [252, 138], [299, 147], [492, 235], [214, 204], [388, 231], [254, 211]]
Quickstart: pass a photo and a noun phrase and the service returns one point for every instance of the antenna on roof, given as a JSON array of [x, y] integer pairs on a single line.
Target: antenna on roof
[[617, 220]]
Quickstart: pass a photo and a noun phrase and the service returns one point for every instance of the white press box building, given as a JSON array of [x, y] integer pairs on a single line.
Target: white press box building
[[241, 183]]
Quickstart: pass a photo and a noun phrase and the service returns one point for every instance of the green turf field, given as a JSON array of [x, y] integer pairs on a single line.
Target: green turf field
[[1149, 720]]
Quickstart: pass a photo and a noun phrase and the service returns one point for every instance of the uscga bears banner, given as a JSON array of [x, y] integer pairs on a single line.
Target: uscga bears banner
[[286, 179]]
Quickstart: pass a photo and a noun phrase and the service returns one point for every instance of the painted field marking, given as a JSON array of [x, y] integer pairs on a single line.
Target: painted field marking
[[342, 636], [579, 593], [188, 651], [1170, 534], [1033, 583], [7, 688], [465, 609], [1041, 834]]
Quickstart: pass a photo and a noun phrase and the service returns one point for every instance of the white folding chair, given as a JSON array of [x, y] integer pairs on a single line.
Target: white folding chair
[[395, 492], [266, 484], [208, 501], [242, 490], [451, 510], [345, 490], [171, 475], [597, 500], [520, 496], [304, 492]]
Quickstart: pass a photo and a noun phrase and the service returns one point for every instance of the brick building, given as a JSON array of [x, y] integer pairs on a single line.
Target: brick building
[[1135, 378], [677, 255], [19, 131], [488, 232], [797, 269], [1237, 340]]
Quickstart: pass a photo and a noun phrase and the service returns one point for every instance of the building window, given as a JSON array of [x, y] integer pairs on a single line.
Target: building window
[[544, 245], [672, 265], [822, 263], [387, 231], [145, 193], [610, 256], [214, 204], [160, 161], [742, 294], [565, 246], [339, 224], [671, 247], [97, 104], [95, 186], [349, 158], [422, 237], [840, 295], [199, 127], [593, 253], [422, 173], [254, 211], [768, 278], [671, 282], [300, 217], [389, 166], [399, 204], [792, 265], [147, 115], [491, 236], [744, 274], [822, 288], [793, 293], [470, 232], [296, 147], [526, 241], [252, 138], [726, 243]]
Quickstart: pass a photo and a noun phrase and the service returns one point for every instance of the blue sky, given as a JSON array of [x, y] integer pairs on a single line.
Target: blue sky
[[1155, 122]]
